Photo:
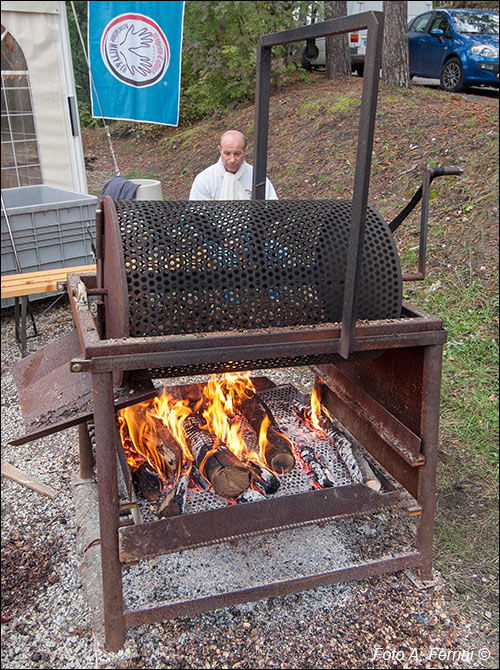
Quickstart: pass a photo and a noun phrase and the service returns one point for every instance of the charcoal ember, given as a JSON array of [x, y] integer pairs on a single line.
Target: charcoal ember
[[264, 478], [250, 495], [147, 481]]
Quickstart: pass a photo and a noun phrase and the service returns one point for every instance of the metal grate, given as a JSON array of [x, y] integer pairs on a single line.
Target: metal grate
[[196, 267], [283, 401]]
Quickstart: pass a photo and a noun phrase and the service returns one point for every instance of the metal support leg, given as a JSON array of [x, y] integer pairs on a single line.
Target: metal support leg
[[87, 461], [431, 385], [106, 459]]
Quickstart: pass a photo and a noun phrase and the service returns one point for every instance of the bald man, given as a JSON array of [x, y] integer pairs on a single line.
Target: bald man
[[231, 177]]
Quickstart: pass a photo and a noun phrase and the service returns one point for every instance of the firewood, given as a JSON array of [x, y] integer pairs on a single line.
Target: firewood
[[320, 470], [277, 453], [264, 478], [342, 445], [147, 481], [11, 472], [369, 477], [198, 478], [225, 471], [153, 439], [175, 501]]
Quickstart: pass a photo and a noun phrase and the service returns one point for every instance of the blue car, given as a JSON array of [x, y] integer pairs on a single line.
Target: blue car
[[457, 46]]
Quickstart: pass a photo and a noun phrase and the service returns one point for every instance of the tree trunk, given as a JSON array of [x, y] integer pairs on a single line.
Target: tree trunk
[[395, 67], [337, 58]]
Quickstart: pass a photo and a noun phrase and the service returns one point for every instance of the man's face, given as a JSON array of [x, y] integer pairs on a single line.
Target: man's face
[[232, 151]]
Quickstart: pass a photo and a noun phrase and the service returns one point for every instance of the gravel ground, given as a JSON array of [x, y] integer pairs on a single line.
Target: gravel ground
[[46, 621]]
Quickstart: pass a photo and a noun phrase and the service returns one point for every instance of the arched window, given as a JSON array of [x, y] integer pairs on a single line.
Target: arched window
[[20, 155]]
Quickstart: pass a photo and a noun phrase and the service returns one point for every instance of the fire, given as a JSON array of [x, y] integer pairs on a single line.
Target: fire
[[141, 431], [173, 412], [220, 398], [315, 409], [217, 403], [263, 441]]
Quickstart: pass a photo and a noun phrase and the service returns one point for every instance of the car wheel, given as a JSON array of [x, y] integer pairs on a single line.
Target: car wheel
[[360, 70], [452, 76]]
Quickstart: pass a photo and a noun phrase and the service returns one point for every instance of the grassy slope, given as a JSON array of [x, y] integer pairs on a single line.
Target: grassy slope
[[312, 150]]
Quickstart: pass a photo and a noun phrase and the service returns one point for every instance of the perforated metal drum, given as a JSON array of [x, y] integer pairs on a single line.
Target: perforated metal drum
[[195, 267]]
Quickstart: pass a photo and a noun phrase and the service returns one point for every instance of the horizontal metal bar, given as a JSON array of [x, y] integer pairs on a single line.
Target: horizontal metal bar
[[247, 352], [190, 531], [189, 607], [343, 24]]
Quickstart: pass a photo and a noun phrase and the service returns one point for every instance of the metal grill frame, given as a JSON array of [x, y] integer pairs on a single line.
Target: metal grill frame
[[393, 414]]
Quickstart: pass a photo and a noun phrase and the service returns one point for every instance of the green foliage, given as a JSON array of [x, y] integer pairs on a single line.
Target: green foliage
[[220, 48], [470, 371], [141, 175]]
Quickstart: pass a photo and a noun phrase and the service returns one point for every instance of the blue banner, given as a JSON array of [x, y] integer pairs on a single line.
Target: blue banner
[[135, 60]]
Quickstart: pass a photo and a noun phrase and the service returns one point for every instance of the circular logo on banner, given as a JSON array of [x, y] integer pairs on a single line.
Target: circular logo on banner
[[135, 50]]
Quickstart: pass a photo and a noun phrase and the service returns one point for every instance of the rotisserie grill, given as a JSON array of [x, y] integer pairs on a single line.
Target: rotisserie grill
[[190, 288]]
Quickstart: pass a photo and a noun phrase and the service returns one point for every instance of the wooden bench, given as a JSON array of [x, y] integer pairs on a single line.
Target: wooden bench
[[24, 284]]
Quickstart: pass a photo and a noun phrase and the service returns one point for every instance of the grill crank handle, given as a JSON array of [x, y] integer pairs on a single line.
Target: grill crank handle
[[423, 194]]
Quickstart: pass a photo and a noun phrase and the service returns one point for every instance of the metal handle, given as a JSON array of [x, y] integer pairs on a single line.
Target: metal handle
[[423, 194]]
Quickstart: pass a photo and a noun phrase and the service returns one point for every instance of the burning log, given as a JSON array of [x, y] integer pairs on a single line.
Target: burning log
[[227, 474], [275, 448], [147, 481], [152, 439], [354, 461], [321, 472], [342, 446], [264, 478], [174, 502], [198, 478]]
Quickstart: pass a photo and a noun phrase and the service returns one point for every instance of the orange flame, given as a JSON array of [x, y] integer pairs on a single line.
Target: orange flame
[[315, 408], [263, 441], [221, 396], [141, 432], [173, 412]]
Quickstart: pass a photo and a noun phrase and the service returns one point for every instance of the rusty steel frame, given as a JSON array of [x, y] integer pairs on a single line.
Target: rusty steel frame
[[373, 22], [397, 426]]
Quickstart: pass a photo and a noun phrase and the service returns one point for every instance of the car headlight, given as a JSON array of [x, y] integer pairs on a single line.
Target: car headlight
[[485, 50]]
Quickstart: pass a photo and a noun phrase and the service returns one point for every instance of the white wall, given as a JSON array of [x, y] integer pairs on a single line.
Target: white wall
[[40, 28]]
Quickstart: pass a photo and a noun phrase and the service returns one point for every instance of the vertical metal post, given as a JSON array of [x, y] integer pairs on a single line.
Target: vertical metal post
[[373, 61], [109, 512], [424, 218], [261, 130], [85, 452], [429, 433]]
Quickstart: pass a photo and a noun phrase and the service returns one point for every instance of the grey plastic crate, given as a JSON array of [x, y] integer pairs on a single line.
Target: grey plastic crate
[[50, 227]]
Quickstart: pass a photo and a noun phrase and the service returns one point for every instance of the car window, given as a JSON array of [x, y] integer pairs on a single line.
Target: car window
[[472, 23], [441, 23], [420, 23]]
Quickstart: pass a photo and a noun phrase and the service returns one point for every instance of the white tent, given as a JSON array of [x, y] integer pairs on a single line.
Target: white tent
[[41, 139]]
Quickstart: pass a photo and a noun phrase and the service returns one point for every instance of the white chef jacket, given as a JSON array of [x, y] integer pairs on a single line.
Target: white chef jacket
[[208, 183]]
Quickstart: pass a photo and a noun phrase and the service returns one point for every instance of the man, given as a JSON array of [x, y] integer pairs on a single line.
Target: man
[[231, 177]]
